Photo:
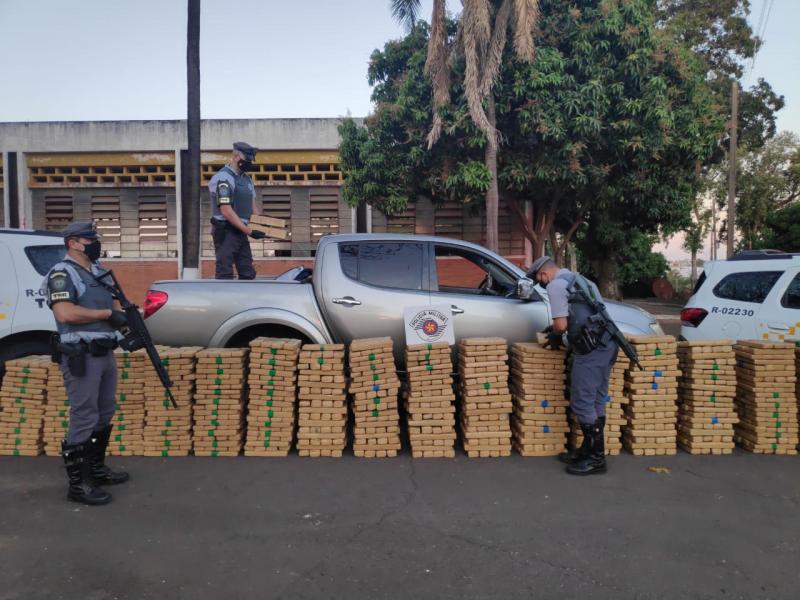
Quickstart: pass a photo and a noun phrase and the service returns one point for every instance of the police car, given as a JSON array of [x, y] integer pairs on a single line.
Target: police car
[[25, 321], [754, 295]]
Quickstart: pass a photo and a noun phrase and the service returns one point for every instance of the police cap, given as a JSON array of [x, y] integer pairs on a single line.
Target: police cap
[[246, 149], [80, 230], [537, 265]]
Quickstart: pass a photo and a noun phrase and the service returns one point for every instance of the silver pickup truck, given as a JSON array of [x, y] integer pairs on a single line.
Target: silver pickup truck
[[358, 288]]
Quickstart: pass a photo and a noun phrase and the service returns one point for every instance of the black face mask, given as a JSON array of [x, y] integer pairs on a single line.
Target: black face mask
[[246, 165], [92, 251]]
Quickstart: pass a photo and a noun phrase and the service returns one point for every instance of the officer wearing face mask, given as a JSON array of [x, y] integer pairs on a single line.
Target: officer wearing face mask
[[233, 200], [87, 319]]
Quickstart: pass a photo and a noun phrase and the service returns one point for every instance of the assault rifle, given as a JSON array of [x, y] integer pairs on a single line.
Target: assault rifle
[[137, 337], [588, 296]]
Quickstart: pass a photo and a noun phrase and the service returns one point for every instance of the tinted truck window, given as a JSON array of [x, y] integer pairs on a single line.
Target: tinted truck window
[[747, 287], [44, 257], [791, 299], [384, 264]]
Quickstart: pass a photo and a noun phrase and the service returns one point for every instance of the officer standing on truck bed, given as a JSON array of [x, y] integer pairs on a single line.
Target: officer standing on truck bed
[[233, 200], [594, 353], [87, 319]]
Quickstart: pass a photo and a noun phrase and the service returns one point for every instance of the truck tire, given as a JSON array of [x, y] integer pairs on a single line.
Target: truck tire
[[18, 349]]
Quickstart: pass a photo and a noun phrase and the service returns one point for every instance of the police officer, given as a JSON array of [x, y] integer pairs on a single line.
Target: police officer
[[594, 352], [233, 200], [86, 318]]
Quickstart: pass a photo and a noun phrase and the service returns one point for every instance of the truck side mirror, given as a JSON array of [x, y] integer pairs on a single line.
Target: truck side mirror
[[525, 290]]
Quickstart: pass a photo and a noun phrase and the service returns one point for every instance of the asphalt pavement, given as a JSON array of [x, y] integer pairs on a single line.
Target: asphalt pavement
[[713, 527]]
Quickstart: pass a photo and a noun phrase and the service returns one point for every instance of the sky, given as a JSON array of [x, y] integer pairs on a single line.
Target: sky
[[126, 59]]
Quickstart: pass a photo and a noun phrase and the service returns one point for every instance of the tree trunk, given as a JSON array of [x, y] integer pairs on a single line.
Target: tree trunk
[[694, 267], [608, 282], [492, 196], [573, 258]]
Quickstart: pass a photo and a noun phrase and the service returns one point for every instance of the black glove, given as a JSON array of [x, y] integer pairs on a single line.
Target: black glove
[[257, 235], [118, 320], [555, 341], [548, 329]]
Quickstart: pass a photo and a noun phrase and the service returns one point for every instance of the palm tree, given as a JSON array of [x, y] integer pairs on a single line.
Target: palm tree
[[483, 31]]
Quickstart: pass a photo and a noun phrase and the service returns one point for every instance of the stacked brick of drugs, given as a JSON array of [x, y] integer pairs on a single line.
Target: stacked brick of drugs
[[322, 401], [539, 423], [127, 437], [706, 389], [22, 399], [374, 387], [765, 397], [615, 410], [273, 396], [429, 400], [219, 401], [485, 397], [168, 430], [652, 395], [56, 414], [797, 382]]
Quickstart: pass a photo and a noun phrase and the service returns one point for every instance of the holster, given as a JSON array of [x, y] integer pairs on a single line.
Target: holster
[[76, 357], [219, 228], [55, 353], [593, 335]]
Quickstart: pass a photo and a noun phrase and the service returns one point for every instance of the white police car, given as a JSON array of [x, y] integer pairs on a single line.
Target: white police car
[[755, 296], [25, 321]]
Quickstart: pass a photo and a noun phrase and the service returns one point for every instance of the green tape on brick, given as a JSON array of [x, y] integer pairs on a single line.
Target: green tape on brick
[[219, 360], [273, 350], [371, 357]]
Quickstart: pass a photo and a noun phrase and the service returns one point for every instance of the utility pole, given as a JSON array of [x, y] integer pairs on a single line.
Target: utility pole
[[190, 192], [713, 254], [732, 167]]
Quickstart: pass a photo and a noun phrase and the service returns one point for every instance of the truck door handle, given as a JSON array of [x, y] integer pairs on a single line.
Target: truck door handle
[[455, 310], [778, 326], [347, 301]]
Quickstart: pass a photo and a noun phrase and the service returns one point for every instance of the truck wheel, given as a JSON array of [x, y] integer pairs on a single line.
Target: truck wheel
[[18, 349]]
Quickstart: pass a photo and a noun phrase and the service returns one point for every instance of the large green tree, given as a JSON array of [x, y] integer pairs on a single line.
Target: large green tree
[[602, 131]]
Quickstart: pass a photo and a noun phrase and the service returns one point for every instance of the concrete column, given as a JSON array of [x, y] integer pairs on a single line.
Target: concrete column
[[178, 212], [353, 220], [369, 218], [6, 193], [24, 193]]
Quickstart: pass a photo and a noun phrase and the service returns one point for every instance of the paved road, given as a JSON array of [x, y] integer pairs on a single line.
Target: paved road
[[716, 527]]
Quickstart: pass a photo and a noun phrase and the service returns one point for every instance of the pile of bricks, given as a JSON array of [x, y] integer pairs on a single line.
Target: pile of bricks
[[374, 387], [168, 430], [765, 397], [22, 399], [539, 423], [430, 400], [706, 389], [56, 414], [322, 399], [485, 397], [219, 401], [652, 394], [273, 392], [797, 382], [127, 437]]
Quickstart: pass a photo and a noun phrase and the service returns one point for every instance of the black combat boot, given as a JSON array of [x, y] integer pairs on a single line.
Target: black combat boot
[[81, 489], [595, 461], [581, 451], [102, 474]]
